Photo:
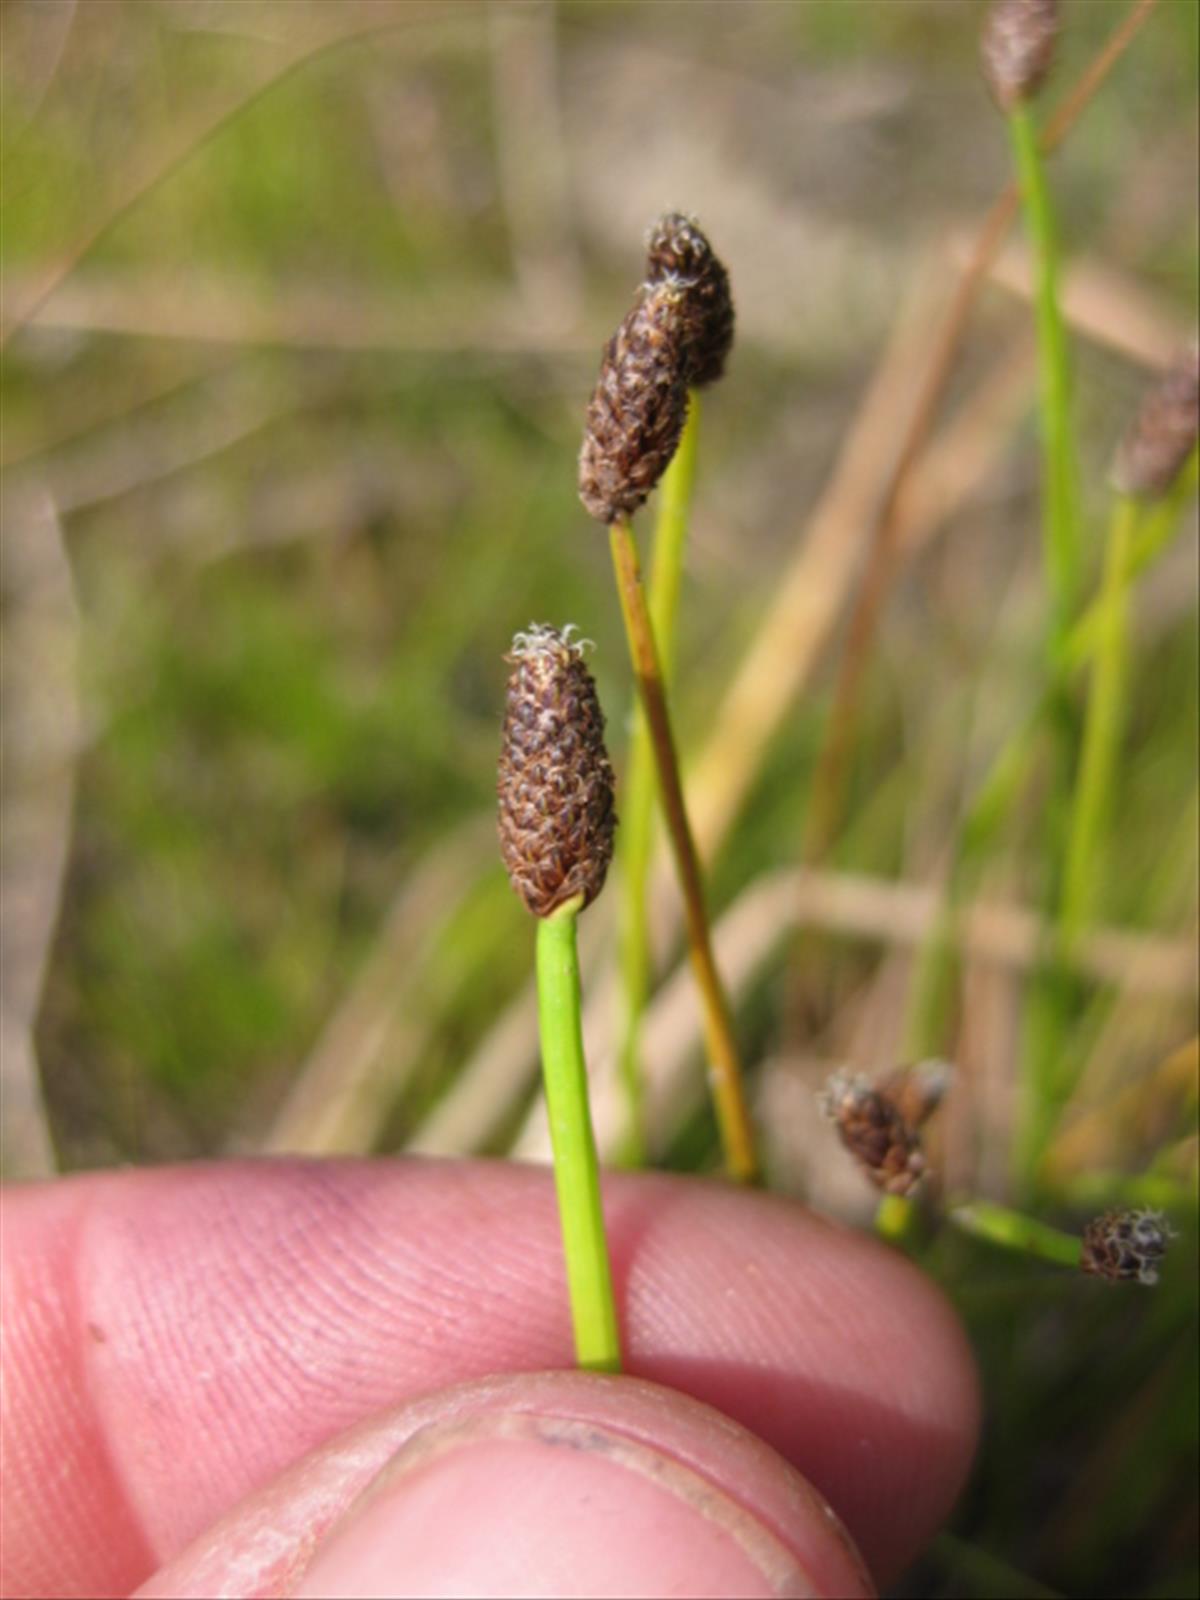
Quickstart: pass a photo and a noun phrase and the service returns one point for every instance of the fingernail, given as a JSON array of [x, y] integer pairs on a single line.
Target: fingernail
[[536, 1505]]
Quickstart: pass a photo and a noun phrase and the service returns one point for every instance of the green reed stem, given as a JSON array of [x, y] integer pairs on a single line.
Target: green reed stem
[[934, 982], [1092, 799], [1154, 528], [636, 838], [1049, 996], [1012, 1231], [1060, 510], [895, 1218], [724, 1062], [576, 1170]]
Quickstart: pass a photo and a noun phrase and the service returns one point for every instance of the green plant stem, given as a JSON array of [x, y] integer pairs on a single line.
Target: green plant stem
[[1049, 998], [895, 1218], [1012, 1231], [1101, 732], [1060, 512], [576, 1170], [725, 1071], [932, 990], [636, 838]]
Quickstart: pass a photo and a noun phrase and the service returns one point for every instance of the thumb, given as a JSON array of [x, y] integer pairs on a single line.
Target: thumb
[[541, 1484]]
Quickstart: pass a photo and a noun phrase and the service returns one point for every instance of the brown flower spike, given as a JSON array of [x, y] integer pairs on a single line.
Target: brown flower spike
[[637, 410], [1017, 48], [555, 783], [1125, 1245], [676, 249], [879, 1122], [1163, 435]]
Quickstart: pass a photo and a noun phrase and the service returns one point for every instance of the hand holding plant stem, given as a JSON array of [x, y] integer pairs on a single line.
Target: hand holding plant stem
[[556, 836]]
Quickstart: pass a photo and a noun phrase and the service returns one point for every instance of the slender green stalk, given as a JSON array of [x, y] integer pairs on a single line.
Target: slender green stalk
[[895, 1218], [1101, 733], [636, 845], [1160, 522], [1012, 1231], [1061, 544], [576, 1170], [670, 538], [933, 984], [725, 1071], [1049, 996]]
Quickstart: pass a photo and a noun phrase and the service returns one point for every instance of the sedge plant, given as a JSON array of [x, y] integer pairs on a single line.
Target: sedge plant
[[880, 1123], [557, 823], [1151, 457], [634, 423], [1017, 48], [1121, 1246], [675, 249], [1154, 521]]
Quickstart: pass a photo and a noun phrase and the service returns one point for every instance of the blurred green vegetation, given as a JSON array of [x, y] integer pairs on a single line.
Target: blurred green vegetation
[[308, 411]]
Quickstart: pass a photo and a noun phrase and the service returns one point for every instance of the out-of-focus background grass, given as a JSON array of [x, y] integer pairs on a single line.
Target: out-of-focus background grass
[[303, 303]]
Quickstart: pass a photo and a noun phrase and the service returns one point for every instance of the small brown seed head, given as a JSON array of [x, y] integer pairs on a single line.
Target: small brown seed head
[[637, 410], [1125, 1245], [878, 1123], [1017, 48], [1163, 434], [677, 249], [555, 783]]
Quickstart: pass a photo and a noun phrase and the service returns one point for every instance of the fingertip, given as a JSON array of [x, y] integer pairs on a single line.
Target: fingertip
[[552, 1483]]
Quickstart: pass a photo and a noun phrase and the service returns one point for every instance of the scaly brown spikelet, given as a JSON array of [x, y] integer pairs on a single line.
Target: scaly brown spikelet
[[1125, 1245], [677, 249], [637, 410], [555, 783], [1163, 434], [878, 1123], [1017, 48]]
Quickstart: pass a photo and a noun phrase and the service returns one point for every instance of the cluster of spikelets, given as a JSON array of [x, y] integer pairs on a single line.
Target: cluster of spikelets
[[676, 337], [555, 780], [1163, 434], [557, 817], [1017, 48], [1125, 1245], [880, 1123]]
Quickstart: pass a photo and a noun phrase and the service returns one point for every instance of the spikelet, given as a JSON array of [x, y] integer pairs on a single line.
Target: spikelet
[[637, 410], [555, 783], [676, 248], [879, 1122], [1163, 434], [1017, 48], [1125, 1245]]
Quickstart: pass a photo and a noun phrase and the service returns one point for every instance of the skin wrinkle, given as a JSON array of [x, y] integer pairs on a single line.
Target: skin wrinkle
[[741, 1345], [454, 1277], [107, 1494]]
